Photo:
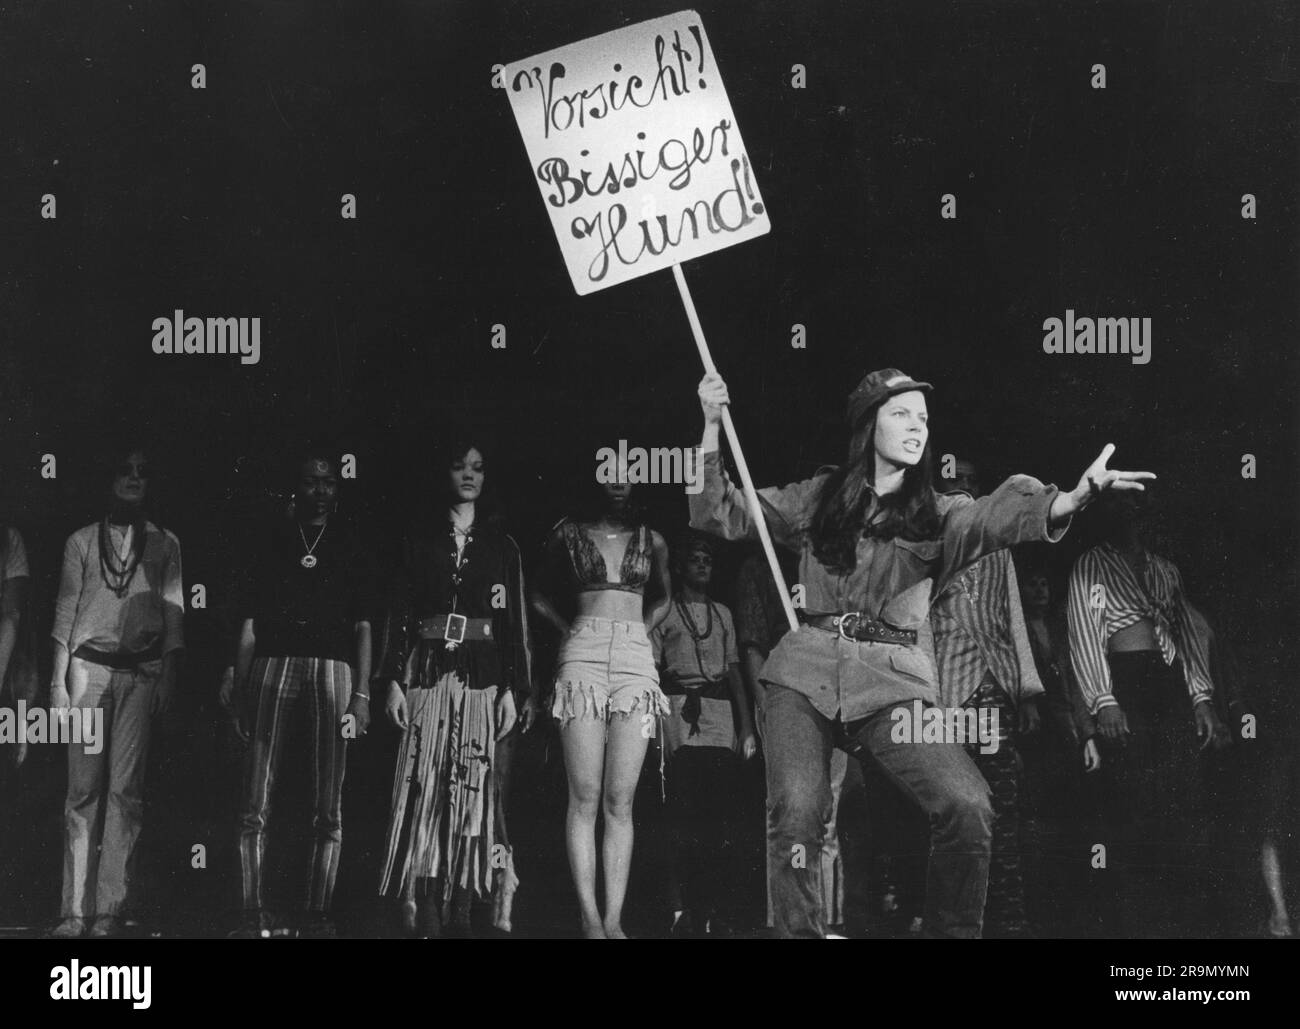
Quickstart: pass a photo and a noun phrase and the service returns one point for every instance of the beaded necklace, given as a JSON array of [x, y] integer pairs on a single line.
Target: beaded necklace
[[693, 630], [118, 571]]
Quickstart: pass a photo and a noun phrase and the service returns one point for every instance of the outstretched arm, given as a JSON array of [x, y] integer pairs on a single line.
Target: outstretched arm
[[1021, 510]]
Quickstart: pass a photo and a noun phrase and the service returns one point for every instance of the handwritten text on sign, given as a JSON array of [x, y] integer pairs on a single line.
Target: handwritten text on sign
[[636, 150]]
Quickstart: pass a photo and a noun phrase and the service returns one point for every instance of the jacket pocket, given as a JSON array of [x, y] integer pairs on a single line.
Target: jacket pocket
[[926, 551], [912, 663]]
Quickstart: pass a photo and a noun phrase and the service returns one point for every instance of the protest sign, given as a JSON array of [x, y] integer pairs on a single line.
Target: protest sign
[[635, 148]]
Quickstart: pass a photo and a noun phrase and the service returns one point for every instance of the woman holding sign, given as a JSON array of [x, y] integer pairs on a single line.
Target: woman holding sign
[[875, 544], [607, 696]]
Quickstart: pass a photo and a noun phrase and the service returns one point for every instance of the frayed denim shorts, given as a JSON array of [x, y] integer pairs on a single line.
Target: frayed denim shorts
[[606, 667]]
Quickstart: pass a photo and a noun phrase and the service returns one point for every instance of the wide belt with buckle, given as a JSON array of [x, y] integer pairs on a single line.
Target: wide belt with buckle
[[455, 628], [119, 661], [854, 625]]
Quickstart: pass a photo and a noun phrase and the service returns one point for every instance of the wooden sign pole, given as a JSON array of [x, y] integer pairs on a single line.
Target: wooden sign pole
[[747, 484]]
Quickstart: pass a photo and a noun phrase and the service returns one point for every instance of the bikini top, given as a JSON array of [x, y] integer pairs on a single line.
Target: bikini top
[[589, 565]]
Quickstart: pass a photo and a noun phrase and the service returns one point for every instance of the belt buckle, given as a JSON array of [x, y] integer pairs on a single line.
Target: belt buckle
[[852, 617], [461, 623]]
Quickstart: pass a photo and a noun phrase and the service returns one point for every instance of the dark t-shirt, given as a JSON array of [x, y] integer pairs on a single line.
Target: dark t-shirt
[[309, 612]]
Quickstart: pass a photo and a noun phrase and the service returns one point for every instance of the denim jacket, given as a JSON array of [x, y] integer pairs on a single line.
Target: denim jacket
[[894, 581]]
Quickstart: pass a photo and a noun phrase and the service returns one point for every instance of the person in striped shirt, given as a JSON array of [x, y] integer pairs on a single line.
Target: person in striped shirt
[[1141, 662], [985, 663]]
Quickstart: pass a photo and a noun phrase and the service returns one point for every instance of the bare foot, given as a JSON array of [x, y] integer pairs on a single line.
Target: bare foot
[[615, 932], [593, 931]]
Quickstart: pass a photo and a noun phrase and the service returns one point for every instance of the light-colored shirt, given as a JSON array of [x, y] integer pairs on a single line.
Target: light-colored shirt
[[1106, 596], [696, 665], [979, 627], [15, 557], [893, 581], [150, 610]]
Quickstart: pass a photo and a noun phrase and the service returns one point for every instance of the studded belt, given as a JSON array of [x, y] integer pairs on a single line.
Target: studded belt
[[854, 625]]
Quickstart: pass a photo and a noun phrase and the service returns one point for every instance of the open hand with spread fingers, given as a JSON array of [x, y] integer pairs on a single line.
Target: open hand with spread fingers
[[1095, 481]]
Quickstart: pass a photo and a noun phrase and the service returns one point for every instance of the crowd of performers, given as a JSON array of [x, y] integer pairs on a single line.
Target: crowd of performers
[[908, 600]]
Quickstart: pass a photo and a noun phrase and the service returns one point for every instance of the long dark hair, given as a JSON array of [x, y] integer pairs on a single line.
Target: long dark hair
[[452, 448], [839, 522]]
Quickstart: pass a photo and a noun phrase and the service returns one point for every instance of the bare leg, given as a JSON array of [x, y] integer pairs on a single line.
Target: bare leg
[[583, 739], [1279, 924], [625, 750]]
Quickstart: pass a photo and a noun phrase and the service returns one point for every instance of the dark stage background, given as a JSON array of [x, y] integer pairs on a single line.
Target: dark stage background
[[376, 332]]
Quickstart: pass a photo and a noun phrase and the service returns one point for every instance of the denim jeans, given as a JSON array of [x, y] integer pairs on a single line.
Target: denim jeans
[[939, 778]]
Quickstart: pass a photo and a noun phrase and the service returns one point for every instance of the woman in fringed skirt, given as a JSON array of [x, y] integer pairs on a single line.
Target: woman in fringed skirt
[[456, 655]]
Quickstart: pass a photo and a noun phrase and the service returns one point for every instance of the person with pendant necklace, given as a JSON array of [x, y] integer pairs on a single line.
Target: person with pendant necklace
[[303, 656], [457, 663], [117, 636], [607, 697], [710, 724]]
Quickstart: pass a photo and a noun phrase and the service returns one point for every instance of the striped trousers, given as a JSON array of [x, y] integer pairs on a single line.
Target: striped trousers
[[284, 689], [1004, 911]]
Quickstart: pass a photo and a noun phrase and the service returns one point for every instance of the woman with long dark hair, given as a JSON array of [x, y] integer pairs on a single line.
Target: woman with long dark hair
[[876, 544], [117, 633], [456, 654], [607, 697]]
